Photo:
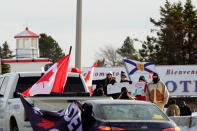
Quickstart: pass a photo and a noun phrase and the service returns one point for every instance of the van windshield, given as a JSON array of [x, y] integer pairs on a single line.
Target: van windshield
[[73, 84]]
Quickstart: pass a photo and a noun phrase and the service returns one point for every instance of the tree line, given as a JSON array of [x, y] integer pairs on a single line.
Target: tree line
[[173, 42]]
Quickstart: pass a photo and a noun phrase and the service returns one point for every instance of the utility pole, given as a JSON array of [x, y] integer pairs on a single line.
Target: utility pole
[[78, 35], [0, 66]]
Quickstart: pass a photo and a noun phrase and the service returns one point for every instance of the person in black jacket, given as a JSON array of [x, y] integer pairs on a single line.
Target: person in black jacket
[[104, 82], [98, 91], [124, 78], [125, 94], [87, 119], [184, 109]]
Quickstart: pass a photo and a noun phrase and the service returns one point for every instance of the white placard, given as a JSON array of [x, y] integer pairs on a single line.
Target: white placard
[[116, 88], [138, 88]]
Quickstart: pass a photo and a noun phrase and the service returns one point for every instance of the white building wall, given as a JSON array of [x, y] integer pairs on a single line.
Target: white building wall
[[30, 66]]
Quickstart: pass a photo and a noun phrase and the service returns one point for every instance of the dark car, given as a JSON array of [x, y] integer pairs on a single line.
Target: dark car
[[125, 115]]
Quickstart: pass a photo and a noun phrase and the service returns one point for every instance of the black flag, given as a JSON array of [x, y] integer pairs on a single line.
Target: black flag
[[68, 119]]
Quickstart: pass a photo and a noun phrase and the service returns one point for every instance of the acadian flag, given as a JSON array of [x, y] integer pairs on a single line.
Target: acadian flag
[[89, 77], [53, 80], [136, 67]]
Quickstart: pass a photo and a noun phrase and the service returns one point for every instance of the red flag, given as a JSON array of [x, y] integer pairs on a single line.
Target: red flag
[[46, 124], [88, 78], [150, 75], [53, 80]]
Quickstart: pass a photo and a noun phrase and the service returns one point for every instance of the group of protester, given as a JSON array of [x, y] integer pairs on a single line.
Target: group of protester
[[178, 110], [155, 92]]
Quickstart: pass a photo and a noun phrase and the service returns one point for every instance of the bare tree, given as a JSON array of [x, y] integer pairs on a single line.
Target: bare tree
[[109, 55], [101, 63]]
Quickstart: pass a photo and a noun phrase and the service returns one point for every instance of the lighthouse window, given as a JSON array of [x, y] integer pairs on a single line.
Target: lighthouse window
[[26, 43], [34, 45], [17, 43], [20, 43]]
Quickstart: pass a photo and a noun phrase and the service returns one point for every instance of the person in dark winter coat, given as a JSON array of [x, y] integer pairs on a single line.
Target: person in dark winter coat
[[184, 109], [104, 82], [125, 94], [98, 91], [124, 78], [87, 118]]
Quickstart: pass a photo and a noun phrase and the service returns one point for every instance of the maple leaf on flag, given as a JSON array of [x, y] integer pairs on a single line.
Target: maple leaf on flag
[[53, 80], [46, 124], [46, 77], [89, 77]]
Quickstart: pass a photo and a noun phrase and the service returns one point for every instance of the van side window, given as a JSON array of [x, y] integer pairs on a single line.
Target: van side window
[[3, 85]]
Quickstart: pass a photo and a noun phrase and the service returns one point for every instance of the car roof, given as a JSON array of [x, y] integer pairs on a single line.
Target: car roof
[[37, 73], [117, 101]]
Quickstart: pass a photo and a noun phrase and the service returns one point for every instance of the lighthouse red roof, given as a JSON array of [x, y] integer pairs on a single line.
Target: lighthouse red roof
[[26, 34]]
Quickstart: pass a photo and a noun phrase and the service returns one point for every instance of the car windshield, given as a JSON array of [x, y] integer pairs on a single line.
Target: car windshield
[[130, 112]]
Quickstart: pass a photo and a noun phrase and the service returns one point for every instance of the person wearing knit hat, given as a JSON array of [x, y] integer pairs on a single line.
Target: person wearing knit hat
[[124, 78], [142, 96], [157, 92], [142, 79]]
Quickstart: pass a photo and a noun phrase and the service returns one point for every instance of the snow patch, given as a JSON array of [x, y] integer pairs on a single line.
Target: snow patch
[[194, 113], [193, 128], [184, 128]]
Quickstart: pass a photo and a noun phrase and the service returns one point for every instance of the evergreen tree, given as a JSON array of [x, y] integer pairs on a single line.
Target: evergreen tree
[[5, 51], [49, 48], [127, 50], [149, 50], [5, 68], [175, 35], [190, 24]]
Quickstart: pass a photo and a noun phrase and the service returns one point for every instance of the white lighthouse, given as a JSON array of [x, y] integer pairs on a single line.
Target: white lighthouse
[[27, 45], [27, 53]]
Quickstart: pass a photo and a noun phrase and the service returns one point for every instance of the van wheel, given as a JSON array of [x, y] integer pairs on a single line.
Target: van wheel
[[15, 128]]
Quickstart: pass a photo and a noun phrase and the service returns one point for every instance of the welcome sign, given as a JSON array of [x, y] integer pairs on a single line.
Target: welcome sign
[[181, 80]]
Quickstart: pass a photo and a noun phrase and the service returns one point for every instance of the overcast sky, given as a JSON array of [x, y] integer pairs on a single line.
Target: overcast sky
[[105, 22]]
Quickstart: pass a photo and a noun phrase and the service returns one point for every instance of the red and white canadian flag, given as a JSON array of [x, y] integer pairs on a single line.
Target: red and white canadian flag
[[89, 77], [150, 75], [53, 80]]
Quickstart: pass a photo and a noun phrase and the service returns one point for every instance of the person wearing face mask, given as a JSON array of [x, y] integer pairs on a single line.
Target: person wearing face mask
[[157, 92]]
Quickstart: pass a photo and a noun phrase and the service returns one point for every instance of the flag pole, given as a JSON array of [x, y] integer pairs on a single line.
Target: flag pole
[[127, 70], [70, 50]]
